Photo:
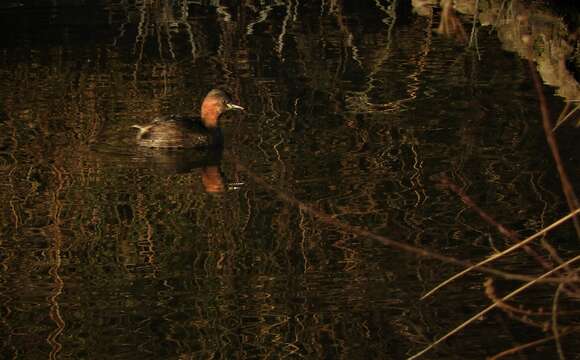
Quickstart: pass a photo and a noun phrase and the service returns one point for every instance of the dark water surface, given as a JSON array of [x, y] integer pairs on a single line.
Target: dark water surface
[[111, 251]]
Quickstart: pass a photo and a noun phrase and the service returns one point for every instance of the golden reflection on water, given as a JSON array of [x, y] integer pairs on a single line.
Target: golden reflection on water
[[113, 250]]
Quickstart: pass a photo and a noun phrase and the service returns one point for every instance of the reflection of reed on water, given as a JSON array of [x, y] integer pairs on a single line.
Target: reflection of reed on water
[[351, 113]]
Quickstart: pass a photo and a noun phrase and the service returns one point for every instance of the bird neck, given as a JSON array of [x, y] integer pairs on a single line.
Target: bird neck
[[210, 124], [210, 113]]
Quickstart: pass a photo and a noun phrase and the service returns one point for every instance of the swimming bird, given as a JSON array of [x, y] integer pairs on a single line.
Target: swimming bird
[[176, 131]]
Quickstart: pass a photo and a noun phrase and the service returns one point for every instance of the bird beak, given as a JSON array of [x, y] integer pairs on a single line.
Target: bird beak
[[234, 107]]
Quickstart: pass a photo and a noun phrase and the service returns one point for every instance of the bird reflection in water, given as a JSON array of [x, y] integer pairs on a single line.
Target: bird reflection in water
[[184, 162], [212, 179]]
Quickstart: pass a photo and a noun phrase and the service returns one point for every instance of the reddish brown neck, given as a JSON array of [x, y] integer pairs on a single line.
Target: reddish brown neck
[[210, 113]]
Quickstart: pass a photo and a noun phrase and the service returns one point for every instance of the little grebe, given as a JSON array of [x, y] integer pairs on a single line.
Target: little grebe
[[186, 132]]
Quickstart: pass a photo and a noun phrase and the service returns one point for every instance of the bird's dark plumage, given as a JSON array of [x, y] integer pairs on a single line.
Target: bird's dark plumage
[[188, 132]]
